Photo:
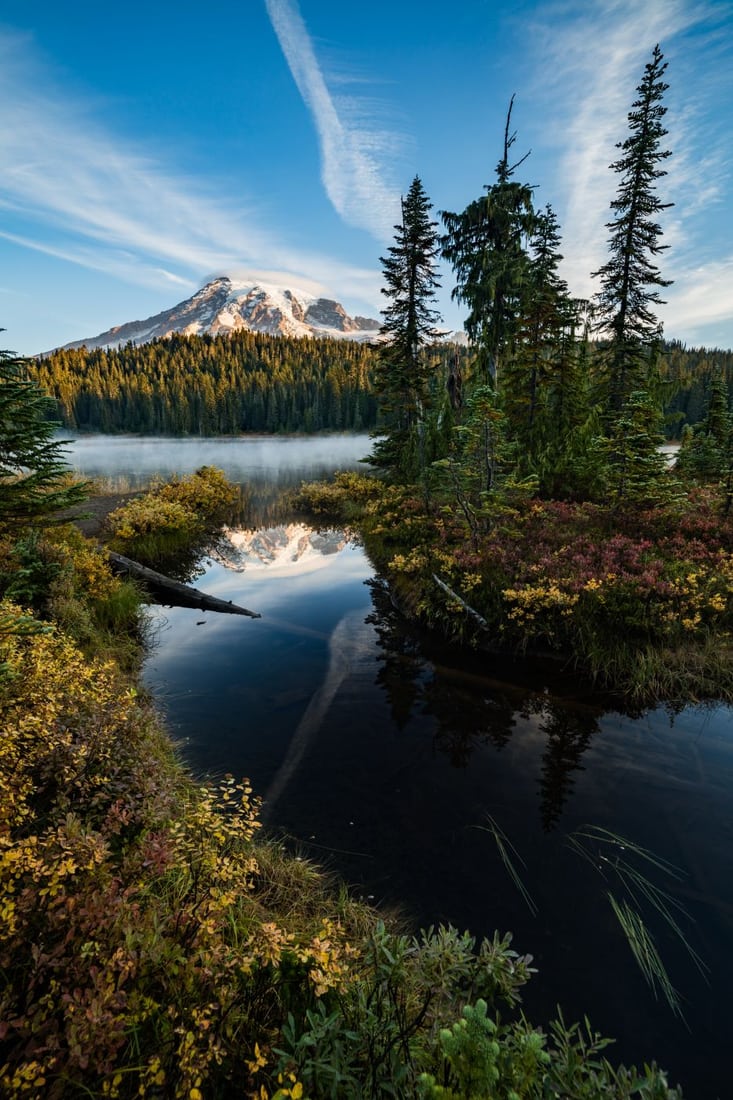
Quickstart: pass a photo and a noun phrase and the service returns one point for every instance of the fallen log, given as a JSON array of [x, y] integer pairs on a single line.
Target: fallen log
[[175, 593], [470, 611]]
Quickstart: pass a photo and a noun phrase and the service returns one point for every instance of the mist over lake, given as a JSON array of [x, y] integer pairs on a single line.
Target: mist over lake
[[134, 460]]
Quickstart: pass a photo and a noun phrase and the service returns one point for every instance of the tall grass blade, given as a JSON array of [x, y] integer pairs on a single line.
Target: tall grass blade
[[503, 844], [662, 901], [645, 952], [614, 840], [613, 856]]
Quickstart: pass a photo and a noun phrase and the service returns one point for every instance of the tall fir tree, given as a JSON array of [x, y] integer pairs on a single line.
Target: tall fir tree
[[546, 330], [487, 245], [630, 280], [403, 373], [637, 474], [706, 453]]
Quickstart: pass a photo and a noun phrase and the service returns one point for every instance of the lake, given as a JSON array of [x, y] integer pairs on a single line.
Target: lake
[[451, 785]]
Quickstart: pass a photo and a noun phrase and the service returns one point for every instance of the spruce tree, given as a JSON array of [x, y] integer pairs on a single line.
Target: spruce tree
[[630, 279], [34, 478], [546, 329], [637, 474], [707, 450], [487, 245], [403, 370]]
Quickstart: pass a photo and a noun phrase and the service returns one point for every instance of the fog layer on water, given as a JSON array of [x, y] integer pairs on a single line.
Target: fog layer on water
[[131, 462]]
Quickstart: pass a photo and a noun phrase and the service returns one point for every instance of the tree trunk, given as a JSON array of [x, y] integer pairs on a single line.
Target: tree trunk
[[168, 591]]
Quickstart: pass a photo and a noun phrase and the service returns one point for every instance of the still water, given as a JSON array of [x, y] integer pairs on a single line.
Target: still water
[[395, 761]]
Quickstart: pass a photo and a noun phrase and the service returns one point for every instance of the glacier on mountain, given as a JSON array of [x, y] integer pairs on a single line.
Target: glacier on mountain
[[226, 305]]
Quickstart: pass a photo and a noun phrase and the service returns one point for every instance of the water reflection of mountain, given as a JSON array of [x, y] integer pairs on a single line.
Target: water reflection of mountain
[[474, 708], [289, 547]]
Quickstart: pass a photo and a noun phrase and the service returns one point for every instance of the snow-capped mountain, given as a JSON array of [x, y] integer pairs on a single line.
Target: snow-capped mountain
[[290, 548], [228, 305]]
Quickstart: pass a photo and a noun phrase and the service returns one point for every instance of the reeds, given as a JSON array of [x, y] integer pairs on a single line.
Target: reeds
[[504, 846], [630, 866], [635, 897]]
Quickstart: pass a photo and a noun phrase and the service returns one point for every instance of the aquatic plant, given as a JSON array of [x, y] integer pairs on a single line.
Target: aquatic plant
[[506, 850], [630, 866]]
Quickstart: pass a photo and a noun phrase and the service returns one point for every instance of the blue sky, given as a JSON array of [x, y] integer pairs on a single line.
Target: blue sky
[[145, 147]]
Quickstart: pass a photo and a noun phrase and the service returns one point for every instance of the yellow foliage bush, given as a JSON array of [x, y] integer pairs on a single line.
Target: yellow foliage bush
[[137, 949], [206, 492], [88, 564], [338, 499], [172, 516], [531, 601], [148, 514]]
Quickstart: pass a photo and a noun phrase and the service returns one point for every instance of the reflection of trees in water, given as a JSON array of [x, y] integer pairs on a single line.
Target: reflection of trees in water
[[187, 563], [262, 504], [268, 502], [468, 716], [258, 504], [402, 666], [568, 736], [473, 710], [264, 500]]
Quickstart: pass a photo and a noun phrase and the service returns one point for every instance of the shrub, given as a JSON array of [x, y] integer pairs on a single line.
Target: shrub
[[578, 579], [168, 526], [340, 499], [149, 946]]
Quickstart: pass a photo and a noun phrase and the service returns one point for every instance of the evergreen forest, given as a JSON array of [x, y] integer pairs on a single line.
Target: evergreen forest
[[204, 385], [252, 382]]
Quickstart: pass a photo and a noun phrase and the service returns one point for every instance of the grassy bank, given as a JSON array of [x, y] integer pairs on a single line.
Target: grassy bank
[[153, 943], [639, 601]]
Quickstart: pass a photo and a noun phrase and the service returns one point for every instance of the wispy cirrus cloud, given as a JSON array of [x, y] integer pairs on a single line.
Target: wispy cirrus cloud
[[590, 59], [76, 191], [352, 155], [699, 302]]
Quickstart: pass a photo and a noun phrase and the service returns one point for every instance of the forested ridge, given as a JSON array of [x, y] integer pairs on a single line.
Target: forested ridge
[[247, 382], [690, 372], [252, 382]]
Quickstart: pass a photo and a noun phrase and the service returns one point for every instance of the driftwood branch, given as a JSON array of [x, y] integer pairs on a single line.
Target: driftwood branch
[[470, 611], [174, 592]]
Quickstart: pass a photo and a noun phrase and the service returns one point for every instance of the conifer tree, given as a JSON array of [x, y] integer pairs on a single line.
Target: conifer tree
[[546, 329], [33, 473], [487, 245], [707, 452], [629, 281], [637, 473], [403, 370]]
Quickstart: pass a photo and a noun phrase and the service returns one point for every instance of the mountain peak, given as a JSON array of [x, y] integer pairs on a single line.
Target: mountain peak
[[226, 305]]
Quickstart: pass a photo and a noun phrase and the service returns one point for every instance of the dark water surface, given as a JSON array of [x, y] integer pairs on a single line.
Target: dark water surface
[[388, 756]]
